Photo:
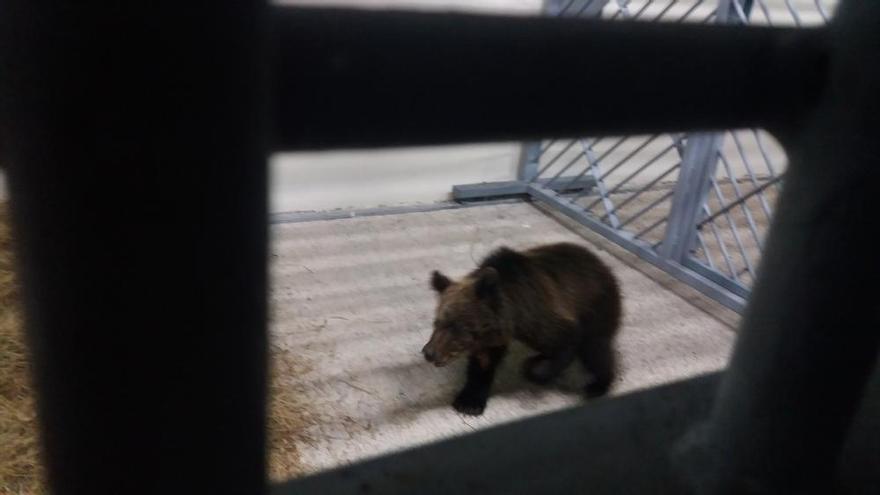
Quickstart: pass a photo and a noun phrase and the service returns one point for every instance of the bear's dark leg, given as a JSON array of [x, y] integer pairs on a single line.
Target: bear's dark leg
[[480, 374], [597, 356], [543, 368]]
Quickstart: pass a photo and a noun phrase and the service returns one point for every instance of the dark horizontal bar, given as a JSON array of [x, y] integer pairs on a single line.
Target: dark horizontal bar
[[350, 78], [633, 443], [587, 449], [716, 277], [516, 187]]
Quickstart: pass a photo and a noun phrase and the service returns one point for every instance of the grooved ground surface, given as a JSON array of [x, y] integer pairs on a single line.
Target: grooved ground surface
[[352, 306]]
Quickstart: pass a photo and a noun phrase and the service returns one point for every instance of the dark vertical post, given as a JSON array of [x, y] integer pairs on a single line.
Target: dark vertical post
[[809, 339], [134, 138]]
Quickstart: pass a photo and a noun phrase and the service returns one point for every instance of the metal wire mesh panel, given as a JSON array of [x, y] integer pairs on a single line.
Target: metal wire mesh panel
[[738, 207], [635, 178], [757, 12]]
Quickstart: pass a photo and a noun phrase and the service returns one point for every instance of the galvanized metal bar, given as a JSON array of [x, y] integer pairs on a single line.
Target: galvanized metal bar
[[529, 161], [747, 214], [665, 10], [607, 203], [629, 155], [568, 165], [643, 9], [710, 17], [728, 283], [738, 12], [573, 8], [555, 159], [632, 175], [679, 140], [730, 12], [705, 250], [704, 209], [650, 206], [325, 215], [690, 10], [642, 168], [623, 161], [697, 167], [644, 188], [763, 5], [793, 12], [729, 207], [601, 157], [649, 228], [682, 226], [591, 8], [750, 171], [822, 11], [488, 190], [734, 12], [734, 231], [574, 160], [621, 9], [721, 245], [557, 7], [767, 161]]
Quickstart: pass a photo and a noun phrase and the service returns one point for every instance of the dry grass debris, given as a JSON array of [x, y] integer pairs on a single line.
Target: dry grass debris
[[20, 468], [21, 471]]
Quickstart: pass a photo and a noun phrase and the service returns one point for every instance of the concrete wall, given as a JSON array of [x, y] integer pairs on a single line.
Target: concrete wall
[[328, 180]]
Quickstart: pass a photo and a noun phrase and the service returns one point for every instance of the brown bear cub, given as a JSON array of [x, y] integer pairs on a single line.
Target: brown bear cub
[[558, 299]]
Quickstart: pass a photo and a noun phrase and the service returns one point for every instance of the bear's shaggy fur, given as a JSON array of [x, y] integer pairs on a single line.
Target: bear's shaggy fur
[[559, 299]]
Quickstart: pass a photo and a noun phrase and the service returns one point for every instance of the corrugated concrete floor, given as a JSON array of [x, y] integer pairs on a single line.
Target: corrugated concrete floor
[[352, 305]]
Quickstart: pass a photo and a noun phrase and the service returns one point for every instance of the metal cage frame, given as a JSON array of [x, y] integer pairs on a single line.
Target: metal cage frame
[[697, 237]]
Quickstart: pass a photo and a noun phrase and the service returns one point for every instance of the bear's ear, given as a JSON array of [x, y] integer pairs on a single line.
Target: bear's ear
[[487, 282], [439, 281]]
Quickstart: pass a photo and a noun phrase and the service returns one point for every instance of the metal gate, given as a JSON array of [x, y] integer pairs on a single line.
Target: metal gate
[[697, 205]]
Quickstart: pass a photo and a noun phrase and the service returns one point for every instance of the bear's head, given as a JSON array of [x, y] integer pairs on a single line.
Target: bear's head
[[466, 319]]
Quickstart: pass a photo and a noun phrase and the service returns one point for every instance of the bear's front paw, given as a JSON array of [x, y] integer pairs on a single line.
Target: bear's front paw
[[470, 403]]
